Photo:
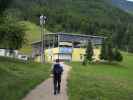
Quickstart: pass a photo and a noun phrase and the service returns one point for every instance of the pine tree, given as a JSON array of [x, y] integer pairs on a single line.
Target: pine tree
[[84, 61], [103, 55], [110, 53], [4, 4], [89, 51], [130, 44], [107, 52]]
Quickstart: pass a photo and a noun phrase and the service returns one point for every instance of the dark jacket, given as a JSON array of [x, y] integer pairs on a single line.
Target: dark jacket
[[57, 69]]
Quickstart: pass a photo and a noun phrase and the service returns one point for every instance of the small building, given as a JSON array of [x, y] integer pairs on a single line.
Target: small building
[[66, 47], [8, 53]]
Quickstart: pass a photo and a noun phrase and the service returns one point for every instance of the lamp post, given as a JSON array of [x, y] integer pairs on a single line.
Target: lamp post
[[42, 23]]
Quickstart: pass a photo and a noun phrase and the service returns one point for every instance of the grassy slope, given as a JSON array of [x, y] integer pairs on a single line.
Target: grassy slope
[[32, 31], [32, 34], [102, 82], [17, 78]]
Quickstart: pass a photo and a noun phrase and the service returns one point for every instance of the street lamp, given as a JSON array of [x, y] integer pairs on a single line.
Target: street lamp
[[42, 23]]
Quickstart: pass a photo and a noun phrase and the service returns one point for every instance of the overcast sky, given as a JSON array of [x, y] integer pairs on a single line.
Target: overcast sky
[[130, 0]]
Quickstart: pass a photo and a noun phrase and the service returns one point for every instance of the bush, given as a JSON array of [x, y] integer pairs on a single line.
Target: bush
[[85, 61], [117, 55]]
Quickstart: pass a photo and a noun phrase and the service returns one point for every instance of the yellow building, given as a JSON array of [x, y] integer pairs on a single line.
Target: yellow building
[[66, 47], [77, 54]]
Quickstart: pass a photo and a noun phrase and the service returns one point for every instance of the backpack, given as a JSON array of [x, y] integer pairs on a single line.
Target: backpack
[[57, 69]]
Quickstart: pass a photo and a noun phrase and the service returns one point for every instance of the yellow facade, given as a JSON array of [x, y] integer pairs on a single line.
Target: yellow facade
[[77, 54], [51, 54], [38, 59], [96, 54]]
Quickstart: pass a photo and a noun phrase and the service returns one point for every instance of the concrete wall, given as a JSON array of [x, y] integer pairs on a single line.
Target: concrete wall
[[2, 52]]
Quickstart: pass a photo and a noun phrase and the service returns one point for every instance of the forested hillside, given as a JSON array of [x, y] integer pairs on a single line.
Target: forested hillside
[[96, 17]]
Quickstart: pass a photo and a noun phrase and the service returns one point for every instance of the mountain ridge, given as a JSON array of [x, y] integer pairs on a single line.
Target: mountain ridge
[[91, 17], [124, 4]]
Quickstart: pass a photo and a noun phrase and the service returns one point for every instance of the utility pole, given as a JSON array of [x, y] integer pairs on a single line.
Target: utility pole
[[58, 46], [42, 23]]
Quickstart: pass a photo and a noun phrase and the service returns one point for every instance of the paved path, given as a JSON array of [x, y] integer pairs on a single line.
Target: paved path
[[44, 91]]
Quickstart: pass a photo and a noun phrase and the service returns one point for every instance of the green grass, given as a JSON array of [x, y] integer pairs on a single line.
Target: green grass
[[18, 78], [102, 81], [32, 31], [33, 34]]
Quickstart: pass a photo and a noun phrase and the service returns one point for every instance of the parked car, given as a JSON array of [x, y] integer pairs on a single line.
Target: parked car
[[23, 57]]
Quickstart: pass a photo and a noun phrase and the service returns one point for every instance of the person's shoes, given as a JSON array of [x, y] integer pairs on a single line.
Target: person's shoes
[[58, 91], [54, 93]]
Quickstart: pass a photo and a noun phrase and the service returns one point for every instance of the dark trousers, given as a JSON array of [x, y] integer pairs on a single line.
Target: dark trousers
[[57, 81]]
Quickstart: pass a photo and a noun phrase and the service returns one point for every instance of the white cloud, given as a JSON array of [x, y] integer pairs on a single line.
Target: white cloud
[[130, 0]]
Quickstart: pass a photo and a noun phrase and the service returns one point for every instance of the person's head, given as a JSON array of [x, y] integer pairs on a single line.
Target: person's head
[[57, 60]]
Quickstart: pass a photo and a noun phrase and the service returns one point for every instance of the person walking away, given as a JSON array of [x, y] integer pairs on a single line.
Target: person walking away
[[57, 73]]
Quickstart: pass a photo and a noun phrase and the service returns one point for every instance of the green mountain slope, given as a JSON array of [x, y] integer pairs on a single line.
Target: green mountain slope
[[62, 11], [33, 33], [96, 17]]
